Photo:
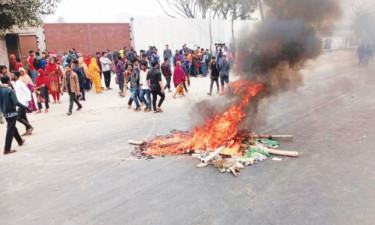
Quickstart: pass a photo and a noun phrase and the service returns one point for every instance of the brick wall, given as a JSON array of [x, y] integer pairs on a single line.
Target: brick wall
[[86, 38]]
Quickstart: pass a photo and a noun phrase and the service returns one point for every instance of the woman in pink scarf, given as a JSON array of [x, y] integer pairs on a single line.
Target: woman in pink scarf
[[178, 79], [29, 83]]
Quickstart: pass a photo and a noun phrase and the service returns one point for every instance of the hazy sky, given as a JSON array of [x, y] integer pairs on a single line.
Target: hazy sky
[[105, 11], [112, 11]]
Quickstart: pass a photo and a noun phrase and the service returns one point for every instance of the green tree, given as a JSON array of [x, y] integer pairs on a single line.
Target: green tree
[[23, 13]]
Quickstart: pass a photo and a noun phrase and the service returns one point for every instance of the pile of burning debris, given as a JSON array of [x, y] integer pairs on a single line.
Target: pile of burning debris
[[219, 141], [252, 149]]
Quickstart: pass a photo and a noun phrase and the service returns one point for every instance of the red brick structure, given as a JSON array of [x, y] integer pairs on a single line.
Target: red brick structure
[[86, 38]]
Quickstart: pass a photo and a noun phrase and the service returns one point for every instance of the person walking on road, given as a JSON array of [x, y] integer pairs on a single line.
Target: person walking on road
[[167, 73], [23, 95], [155, 83], [224, 68], [81, 77], [134, 87], [120, 69], [145, 89], [70, 84], [178, 79], [8, 103], [42, 88]]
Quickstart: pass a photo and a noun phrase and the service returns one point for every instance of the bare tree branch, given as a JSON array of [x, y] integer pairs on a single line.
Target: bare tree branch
[[165, 10]]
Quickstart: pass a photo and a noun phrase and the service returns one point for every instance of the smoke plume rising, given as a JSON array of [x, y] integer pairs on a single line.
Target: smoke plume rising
[[279, 46], [275, 51]]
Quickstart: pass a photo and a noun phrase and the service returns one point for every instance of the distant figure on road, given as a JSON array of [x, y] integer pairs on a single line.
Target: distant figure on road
[[167, 54], [94, 71], [106, 68], [224, 69], [178, 79], [214, 75], [70, 84], [42, 88], [54, 75], [23, 95], [155, 83], [145, 89], [167, 73]]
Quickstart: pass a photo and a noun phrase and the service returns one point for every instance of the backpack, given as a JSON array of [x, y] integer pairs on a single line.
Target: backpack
[[37, 63]]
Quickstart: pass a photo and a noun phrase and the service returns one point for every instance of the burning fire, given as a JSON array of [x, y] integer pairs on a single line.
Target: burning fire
[[216, 132]]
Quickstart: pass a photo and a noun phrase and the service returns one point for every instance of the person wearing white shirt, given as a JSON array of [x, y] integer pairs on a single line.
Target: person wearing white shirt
[[106, 68], [23, 95], [145, 89]]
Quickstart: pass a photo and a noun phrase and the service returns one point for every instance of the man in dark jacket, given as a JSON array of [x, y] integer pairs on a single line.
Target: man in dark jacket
[[81, 77], [8, 103], [120, 69], [167, 73], [224, 69], [214, 75], [156, 86]]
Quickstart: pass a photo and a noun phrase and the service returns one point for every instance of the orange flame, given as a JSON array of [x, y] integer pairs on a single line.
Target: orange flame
[[216, 132]]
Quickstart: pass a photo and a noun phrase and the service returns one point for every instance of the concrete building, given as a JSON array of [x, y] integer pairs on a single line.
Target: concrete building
[[20, 41]]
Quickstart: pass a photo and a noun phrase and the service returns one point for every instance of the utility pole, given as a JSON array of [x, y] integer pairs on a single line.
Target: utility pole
[[209, 24], [261, 8]]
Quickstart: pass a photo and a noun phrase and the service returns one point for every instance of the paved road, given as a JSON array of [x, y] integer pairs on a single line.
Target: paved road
[[81, 173]]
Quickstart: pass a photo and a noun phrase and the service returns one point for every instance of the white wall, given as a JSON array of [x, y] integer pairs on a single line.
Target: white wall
[[3, 52], [176, 32]]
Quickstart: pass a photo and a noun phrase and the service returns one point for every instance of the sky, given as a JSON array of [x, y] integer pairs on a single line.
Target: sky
[[104, 11], [120, 11]]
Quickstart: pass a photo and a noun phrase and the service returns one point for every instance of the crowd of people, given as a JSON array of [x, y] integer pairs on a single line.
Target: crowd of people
[[46, 74]]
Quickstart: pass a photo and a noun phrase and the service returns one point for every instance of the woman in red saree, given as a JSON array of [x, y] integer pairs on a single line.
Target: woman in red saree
[[54, 75]]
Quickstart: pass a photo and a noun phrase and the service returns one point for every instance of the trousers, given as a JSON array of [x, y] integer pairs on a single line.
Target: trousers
[[107, 78], [135, 92], [120, 78], [155, 98], [214, 80], [22, 118], [148, 94], [12, 132], [168, 85], [81, 88], [73, 98]]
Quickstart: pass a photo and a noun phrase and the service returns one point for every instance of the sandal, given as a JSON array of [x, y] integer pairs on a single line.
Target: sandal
[[22, 142], [9, 152]]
